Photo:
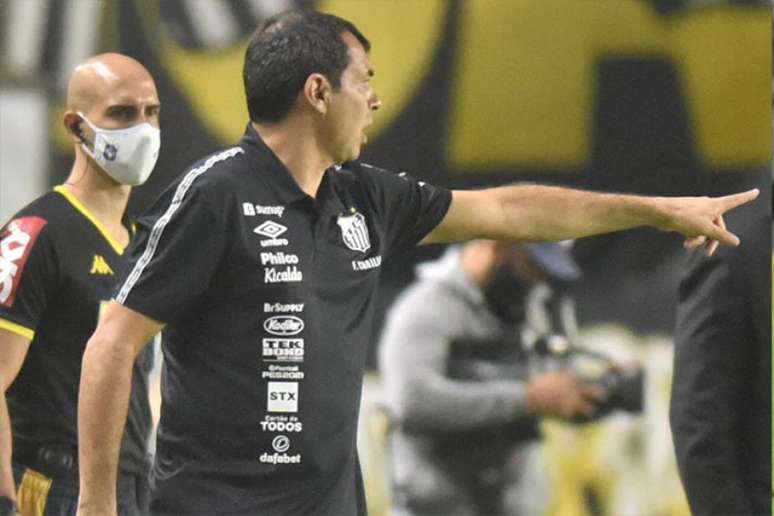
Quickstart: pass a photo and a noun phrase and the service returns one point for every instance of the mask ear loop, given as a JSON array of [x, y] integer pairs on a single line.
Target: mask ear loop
[[78, 131]]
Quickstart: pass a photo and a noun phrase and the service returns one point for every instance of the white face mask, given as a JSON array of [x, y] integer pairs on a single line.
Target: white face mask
[[127, 155]]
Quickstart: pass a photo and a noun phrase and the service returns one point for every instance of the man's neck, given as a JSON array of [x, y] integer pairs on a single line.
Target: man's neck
[[294, 142], [102, 196]]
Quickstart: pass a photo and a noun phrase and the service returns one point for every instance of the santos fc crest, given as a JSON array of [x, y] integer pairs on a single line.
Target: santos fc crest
[[354, 232]]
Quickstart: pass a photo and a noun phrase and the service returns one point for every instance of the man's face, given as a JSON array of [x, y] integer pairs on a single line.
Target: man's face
[[122, 100], [351, 106]]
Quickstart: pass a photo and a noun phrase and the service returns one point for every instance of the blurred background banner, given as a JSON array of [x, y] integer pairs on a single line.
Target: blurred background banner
[[655, 97], [661, 97]]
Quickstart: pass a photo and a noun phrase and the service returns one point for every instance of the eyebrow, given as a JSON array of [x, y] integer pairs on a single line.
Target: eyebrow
[[124, 104]]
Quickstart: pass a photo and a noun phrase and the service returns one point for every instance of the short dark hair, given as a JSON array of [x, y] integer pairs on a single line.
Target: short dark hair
[[285, 50]]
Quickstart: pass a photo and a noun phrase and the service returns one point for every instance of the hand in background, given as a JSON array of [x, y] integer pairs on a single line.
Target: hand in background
[[559, 394]]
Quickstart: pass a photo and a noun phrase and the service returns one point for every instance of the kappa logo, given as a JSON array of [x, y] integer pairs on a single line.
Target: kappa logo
[[283, 325], [15, 245], [354, 231], [271, 230], [100, 266]]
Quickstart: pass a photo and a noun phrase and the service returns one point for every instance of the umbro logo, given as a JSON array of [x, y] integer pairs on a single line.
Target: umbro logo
[[100, 266], [271, 230]]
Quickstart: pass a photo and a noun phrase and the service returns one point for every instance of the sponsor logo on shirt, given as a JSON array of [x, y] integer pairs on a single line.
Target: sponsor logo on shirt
[[283, 325], [354, 231], [282, 397], [15, 245], [251, 210], [281, 424], [279, 258], [278, 372], [271, 230], [287, 275], [283, 350], [100, 266], [280, 444], [281, 308], [368, 263], [280, 458]]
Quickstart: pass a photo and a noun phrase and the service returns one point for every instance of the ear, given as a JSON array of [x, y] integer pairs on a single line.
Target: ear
[[72, 124], [317, 92]]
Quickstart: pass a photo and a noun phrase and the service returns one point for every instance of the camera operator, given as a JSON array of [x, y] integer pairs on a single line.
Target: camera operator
[[464, 404]]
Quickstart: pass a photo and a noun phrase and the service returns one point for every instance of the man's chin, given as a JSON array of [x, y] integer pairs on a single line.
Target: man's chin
[[353, 155]]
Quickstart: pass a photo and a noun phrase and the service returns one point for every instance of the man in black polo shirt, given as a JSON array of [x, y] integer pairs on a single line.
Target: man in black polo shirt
[[59, 258], [261, 263], [720, 405]]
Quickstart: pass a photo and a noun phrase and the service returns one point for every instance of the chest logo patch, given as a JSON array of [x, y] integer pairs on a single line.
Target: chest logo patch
[[270, 229], [354, 232], [100, 266]]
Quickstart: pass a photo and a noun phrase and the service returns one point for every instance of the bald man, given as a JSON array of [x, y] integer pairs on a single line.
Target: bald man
[[59, 256]]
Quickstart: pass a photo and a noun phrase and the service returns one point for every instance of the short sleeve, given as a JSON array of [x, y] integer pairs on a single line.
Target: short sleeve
[[28, 274], [409, 209], [176, 251]]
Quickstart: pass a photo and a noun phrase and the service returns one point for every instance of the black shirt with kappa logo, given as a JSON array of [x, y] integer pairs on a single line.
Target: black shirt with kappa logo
[[269, 296], [57, 269]]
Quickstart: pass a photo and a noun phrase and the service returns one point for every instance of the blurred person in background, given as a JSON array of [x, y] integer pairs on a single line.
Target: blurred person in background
[[270, 251], [465, 407], [720, 411], [59, 257]]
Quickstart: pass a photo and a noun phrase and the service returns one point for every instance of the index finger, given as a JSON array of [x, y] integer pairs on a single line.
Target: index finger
[[729, 202]]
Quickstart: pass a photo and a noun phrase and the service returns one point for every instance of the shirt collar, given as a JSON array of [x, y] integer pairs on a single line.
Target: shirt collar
[[270, 168]]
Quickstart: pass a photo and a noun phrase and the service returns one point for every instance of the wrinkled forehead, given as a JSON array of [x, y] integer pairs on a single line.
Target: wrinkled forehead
[[97, 85], [127, 90]]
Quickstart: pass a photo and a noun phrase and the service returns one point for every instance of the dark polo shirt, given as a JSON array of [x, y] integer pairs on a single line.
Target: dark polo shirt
[[268, 295], [58, 268]]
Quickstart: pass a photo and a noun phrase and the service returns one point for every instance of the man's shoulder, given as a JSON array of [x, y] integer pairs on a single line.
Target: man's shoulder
[[359, 171], [369, 180], [215, 168], [47, 205], [42, 215], [209, 176]]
